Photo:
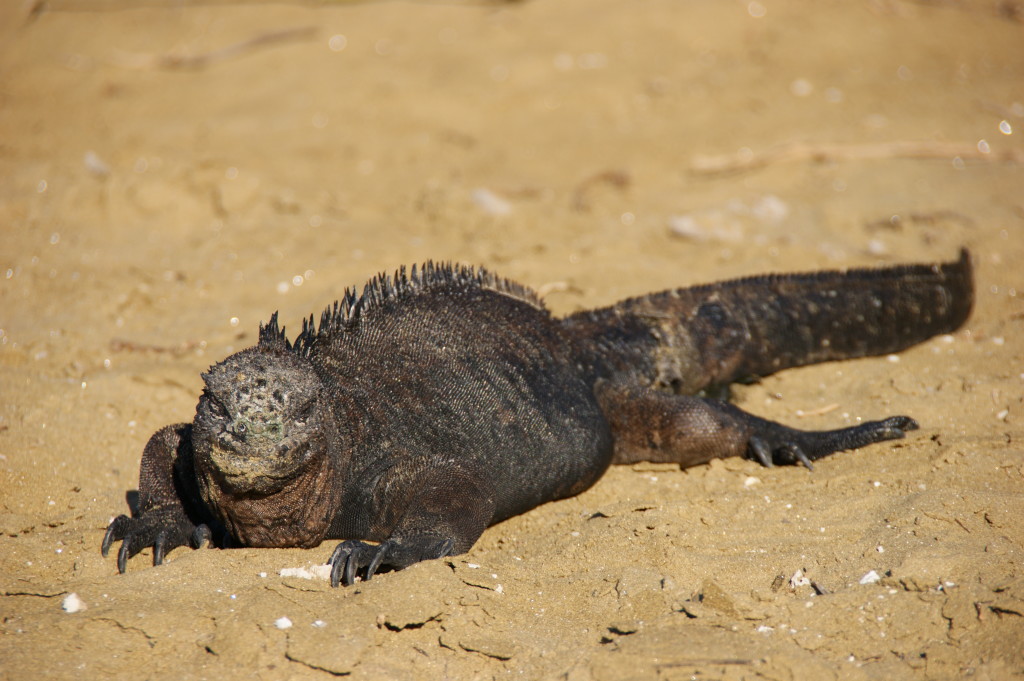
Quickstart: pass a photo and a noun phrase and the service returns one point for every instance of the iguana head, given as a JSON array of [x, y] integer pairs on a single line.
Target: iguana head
[[261, 422]]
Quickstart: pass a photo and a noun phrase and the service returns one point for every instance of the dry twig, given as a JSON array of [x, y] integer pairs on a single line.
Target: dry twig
[[122, 345], [180, 62], [817, 412], [613, 178], [747, 160]]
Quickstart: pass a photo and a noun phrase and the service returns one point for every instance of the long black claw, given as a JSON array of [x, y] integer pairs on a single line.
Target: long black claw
[[159, 548], [378, 558], [335, 574], [351, 563], [761, 452], [122, 558], [798, 453], [115, 531]]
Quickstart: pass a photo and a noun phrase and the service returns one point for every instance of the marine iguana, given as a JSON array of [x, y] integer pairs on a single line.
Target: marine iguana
[[444, 399]]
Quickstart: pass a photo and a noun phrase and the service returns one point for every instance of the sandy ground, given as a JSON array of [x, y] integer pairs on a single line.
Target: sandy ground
[[172, 175]]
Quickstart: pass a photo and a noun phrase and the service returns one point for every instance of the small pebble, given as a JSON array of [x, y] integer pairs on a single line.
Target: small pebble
[[96, 165], [491, 203], [283, 623], [801, 87], [686, 226]]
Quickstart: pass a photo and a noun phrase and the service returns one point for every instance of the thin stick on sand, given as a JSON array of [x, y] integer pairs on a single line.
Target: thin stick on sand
[[746, 160], [181, 62]]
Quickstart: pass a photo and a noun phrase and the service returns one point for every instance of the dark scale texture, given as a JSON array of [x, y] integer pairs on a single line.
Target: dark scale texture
[[445, 399]]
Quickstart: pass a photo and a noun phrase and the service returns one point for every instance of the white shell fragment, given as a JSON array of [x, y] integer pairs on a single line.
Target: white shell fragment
[[72, 603], [283, 623], [799, 579], [491, 203], [870, 578], [312, 572]]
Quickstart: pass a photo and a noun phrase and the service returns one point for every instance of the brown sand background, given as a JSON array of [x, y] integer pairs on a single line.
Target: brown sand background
[[172, 174]]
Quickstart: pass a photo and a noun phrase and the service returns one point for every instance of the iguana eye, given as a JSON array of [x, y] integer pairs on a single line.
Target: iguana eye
[[305, 412]]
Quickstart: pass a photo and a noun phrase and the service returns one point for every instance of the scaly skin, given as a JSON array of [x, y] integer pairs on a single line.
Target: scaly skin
[[440, 402]]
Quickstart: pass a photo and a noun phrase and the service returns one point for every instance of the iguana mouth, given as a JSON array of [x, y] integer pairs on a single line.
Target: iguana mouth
[[239, 472]]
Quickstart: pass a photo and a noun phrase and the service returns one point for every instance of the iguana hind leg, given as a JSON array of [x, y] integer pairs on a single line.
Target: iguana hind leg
[[649, 425]]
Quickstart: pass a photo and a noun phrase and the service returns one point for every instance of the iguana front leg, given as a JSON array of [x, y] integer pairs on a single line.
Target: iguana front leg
[[170, 512], [424, 514], [649, 425]]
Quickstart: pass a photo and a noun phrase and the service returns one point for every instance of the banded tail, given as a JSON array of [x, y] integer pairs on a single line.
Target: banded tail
[[697, 338]]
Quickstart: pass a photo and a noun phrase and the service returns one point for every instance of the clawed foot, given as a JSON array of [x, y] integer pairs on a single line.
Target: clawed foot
[[353, 555], [775, 444], [163, 532]]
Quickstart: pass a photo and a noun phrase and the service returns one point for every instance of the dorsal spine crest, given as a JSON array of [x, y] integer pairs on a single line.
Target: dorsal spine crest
[[272, 336], [383, 288]]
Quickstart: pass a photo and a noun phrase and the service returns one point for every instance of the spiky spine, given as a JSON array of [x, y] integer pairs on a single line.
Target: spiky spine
[[384, 288]]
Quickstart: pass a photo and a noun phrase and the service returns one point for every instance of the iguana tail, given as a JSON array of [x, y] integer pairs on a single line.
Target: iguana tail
[[702, 337]]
